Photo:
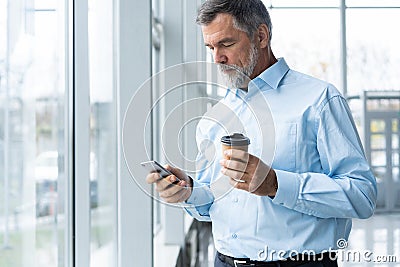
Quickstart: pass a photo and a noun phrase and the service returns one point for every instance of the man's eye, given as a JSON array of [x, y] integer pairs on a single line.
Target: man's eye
[[228, 44]]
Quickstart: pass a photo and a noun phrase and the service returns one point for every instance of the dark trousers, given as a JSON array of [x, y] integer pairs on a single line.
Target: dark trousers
[[325, 263]]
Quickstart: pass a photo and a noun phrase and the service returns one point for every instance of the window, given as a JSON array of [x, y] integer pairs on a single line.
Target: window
[[308, 40], [32, 154], [303, 3], [373, 55], [372, 3], [103, 172]]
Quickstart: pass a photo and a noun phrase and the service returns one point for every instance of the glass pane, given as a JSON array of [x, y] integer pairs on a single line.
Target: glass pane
[[380, 173], [372, 3], [32, 89], [395, 159], [378, 141], [307, 46], [368, 46], [395, 126], [377, 126], [396, 177], [396, 234], [302, 3], [103, 181], [378, 158], [395, 141]]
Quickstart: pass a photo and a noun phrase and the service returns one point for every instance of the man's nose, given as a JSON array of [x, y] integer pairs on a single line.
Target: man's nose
[[219, 57]]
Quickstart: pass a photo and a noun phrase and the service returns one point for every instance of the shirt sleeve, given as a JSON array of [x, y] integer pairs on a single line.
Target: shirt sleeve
[[347, 187], [199, 202], [201, 199]]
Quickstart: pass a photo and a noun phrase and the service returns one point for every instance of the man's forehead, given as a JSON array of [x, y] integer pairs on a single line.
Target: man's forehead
[[220, 28], [222, 20]]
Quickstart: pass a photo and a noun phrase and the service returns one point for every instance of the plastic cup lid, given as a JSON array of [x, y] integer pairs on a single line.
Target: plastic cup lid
[[236, 139]]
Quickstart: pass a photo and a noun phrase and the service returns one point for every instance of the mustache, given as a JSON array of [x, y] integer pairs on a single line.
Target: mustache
[[224, 67]]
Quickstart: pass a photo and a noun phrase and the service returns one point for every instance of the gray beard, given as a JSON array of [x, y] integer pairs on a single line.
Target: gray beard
[[240, 76]]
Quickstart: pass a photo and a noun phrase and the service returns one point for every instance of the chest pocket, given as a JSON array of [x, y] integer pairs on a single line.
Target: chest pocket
[[285, 149]]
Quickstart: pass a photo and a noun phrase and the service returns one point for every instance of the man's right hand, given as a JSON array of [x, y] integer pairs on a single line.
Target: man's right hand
[[169, 191]]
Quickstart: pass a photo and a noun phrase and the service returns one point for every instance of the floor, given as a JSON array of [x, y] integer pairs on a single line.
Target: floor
[[374, 242]]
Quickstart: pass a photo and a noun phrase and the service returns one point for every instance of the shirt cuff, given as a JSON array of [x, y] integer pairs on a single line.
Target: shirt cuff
[[199, 202], [201, 195], [288, 189]]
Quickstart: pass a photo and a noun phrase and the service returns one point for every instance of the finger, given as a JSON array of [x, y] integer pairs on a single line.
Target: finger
[[182, 183], [152, 177], [173, 170], [234, 164], [177, 172], [239, 185], [169, 167], [237, 175], [237, 154], [173, 194], [180, 196], [164, 183], [170, 191]]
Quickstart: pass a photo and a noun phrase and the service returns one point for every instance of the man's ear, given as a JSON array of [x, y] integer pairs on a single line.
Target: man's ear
[[263, 35]]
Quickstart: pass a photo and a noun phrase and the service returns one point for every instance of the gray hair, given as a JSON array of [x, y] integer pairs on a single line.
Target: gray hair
[[247, 15]]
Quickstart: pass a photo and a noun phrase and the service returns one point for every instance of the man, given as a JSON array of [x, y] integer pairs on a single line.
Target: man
[[319, 179]]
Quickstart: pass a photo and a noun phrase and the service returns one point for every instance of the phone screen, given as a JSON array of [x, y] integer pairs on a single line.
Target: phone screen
[[154, 166]]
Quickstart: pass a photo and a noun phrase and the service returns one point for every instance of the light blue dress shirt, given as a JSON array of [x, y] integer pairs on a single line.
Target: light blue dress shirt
[[303, 128]]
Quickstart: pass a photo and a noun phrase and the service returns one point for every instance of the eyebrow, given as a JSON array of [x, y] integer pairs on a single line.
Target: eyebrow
[[225, 40]]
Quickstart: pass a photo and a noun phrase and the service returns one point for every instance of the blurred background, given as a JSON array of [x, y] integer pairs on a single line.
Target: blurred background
[[67, 71]]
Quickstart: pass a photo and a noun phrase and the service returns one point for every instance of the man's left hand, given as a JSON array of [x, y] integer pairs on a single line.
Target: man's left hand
[[258, 177]]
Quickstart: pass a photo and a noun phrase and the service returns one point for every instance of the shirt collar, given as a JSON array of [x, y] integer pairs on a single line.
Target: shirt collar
[[273, 75]]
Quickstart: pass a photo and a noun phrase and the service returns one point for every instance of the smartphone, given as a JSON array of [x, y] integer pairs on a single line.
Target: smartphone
[[154, 166]]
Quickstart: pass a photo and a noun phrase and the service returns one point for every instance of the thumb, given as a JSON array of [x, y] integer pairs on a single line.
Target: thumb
[[177, 172], [169, 167], [174, 171]]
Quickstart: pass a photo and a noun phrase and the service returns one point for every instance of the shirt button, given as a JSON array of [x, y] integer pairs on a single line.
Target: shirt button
[[234, 236], [235, 199]]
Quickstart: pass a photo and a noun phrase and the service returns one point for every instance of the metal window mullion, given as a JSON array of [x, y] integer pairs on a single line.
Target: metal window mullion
[[81, 137], [132, 67], [68, 137]]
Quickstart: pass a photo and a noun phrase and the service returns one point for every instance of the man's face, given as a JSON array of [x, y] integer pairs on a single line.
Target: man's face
[[232, 49]]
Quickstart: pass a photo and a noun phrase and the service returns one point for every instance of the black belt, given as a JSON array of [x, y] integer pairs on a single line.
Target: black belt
[[290, 262]]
